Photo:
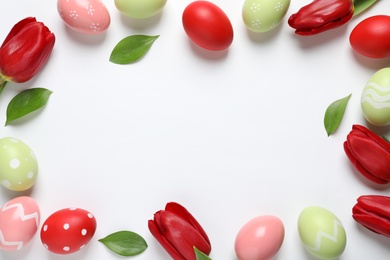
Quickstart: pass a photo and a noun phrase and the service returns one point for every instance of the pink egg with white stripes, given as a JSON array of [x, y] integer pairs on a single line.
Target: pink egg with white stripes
[[19, 221], [84, 16], [68, 230]]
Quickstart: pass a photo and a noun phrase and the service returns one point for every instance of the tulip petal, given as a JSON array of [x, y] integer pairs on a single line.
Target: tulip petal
[[366, 132], [182, 235], [371, 156], [163, 241], [373, 223], [360, 168], [321, 15], [373, 212], [25, 51], [17, 28], [376, 204], [328, 26], [186, 215]]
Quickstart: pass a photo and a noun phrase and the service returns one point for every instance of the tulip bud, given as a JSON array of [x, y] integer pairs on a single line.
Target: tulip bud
[[373, 212], [25, 50], [321, 15], [369, 153], [179, 232]]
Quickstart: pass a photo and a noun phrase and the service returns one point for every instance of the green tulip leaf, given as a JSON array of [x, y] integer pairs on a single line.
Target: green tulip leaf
[[200, 255], [334, 114], [386, 138], [362, 5], [2, 86], [125, 243], [26, 102], [131, 48]]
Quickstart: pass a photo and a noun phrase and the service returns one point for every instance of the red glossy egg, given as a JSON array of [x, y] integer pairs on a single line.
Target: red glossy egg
[[371, 37], [68, 230], [207, 25]]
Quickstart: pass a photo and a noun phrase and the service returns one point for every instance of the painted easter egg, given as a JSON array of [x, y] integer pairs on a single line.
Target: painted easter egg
[[260, 238], [321, 232], [68, 230], [140, 9], [19, 221], [375, 100], [371, 37], [264, 15], [207, 25], [87, 16], [18, 165]]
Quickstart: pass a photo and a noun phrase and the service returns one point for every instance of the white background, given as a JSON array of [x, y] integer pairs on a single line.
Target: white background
[[229, 135]]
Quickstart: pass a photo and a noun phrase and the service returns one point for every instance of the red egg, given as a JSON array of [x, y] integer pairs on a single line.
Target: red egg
[[207, 26], [371, 37], [68, 230]]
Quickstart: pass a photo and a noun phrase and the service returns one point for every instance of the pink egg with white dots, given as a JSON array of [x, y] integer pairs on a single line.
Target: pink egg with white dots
[[84, 16], [68, 230]]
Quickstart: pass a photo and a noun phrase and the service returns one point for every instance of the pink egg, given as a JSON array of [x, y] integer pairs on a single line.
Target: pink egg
[[84, 16], [260, 238], [19, 221]]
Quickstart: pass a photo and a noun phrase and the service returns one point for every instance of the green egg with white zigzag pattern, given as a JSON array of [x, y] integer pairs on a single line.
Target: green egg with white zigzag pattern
[[375, 100], [321, 233]]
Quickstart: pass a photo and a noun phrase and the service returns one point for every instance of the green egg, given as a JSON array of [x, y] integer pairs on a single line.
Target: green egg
[[140, 9], [18, 165], [321, 232], [264, 15], [375, 100]]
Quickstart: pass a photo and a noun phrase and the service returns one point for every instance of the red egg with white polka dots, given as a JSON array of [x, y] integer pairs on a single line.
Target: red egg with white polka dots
[[68, 230]]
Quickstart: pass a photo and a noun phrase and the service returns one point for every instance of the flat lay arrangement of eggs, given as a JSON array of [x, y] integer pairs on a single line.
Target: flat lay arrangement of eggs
[[225, 100]]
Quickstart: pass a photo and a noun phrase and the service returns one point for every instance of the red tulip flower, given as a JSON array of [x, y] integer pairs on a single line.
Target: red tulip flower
[[373, 212], [179, 232], [321, 15], [25, 50], [369, 153]]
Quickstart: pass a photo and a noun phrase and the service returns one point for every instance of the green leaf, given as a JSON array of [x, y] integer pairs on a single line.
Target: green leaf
[[200, 255], [334, 114], [125, 243], [361, 5], [2, 86], [386, 138], [26, 102], [131, 48]]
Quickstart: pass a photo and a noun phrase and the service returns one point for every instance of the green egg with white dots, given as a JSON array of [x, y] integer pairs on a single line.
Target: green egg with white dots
[[18, 165], [321, 233], [264, 15]]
